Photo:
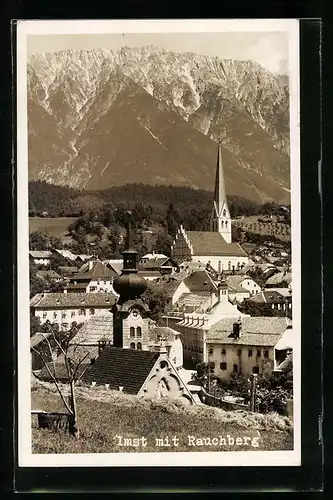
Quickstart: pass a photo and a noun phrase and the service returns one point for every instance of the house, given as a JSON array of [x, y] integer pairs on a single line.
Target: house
[[241, 287], [279, 299], [68, 308], [40, 257], [150, 275], [282, 277], [207, 309], [244, 346], [157, 262], [72, 257], [115, 264], [49, 276], [283, 350], [147, 374], [93, 277], [212, 247]]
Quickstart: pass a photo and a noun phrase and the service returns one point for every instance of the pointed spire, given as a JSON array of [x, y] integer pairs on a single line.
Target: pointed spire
[[219, 193], [129, 245]]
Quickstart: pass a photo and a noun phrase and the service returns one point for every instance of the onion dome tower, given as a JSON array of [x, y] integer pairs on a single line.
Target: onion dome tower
[[129, 285], [130, 313]]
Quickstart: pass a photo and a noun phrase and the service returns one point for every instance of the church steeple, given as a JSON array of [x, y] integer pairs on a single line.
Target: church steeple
[[220, 219]]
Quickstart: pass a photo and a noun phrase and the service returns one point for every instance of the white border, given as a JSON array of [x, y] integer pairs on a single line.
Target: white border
[[250, 458]]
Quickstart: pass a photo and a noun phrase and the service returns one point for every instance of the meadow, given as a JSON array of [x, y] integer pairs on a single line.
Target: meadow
[[54, 226], [114, 422]]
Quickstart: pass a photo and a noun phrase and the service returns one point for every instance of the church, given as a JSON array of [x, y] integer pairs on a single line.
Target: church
[[214, 247]]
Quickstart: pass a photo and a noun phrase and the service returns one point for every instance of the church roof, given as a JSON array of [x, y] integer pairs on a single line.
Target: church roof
[[212, 243], [127, 368]]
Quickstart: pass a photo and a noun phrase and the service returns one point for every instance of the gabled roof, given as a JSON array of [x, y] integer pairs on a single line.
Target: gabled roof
[[155, 255], [96, 328], [127, 368], [212, 243], [153, 263], [200, 281], [279, 278], [115, 264], [72, 300], [255, 331], [67, 254], [269, 296], [40, 254], [98, 271]]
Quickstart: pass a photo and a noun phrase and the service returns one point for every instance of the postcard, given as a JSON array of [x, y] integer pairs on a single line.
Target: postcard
[[159, 270]]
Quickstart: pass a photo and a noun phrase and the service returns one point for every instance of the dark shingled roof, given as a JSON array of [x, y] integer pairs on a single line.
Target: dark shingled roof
[[127, 368], [211, 243], [199, 281], [71, 300], [98, 271]]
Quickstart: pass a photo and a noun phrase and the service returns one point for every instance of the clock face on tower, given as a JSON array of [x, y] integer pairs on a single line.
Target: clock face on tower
[[135, 314]]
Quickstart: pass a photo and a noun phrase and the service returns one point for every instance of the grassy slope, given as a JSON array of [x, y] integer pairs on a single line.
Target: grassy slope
[[105, 414], [251, 224], [57, 226]]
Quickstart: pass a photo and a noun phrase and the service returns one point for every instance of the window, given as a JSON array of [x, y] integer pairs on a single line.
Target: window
[[82, 312], [250, 353], [139, 331], [210, 351], [258, 353], [105, 282], [235, 368], [44, 314], [63, 315], [139, 346], [132, 345], [229, 265], [226, 223], [72, 314], [223, 352], [92, 311], [239, 352], [224, 213], [92, 288], [255, 369], [223, 366], [132, 331], [266, 354], [55, 314]]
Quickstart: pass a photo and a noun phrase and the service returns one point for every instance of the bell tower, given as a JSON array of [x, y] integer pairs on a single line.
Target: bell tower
[[130, 313], [220, 219]]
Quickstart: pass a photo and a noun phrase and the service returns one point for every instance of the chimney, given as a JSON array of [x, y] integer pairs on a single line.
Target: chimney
[[237, 326]]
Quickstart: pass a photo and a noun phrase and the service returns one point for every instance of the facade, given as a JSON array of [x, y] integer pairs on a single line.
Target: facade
[[242, 287], [194, 326], [214, 247], [40, 257], [68, 308], [244, 346], [93, 277]]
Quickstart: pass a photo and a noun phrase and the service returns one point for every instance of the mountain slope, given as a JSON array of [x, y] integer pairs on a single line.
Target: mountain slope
[[147, 115]]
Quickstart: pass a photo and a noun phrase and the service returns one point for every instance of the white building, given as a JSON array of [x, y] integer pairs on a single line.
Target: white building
[[68, 308]]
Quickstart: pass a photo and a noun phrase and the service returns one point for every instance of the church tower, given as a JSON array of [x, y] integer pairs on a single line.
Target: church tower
[[220, 219], [130, 313]]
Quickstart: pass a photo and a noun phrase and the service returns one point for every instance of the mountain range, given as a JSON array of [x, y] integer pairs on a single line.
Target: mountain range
[[100, 118]]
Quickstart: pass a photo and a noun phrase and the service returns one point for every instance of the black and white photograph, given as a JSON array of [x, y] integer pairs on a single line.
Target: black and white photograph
[[159, 278]]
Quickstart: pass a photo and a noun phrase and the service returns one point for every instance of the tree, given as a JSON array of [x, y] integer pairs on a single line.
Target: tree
[[163, 243], [157, 300], [60, 342], [204, 372]]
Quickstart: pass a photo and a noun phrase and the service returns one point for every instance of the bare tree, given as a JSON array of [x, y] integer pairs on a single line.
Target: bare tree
[[72, 362]]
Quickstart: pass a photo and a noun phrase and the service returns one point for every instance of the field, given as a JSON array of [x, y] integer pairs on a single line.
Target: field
[[56, 226], [269, 227], [107, 418]]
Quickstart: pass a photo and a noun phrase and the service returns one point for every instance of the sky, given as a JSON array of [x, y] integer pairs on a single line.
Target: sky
[[268, 48]]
